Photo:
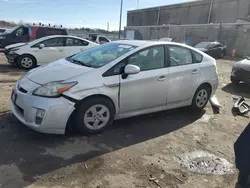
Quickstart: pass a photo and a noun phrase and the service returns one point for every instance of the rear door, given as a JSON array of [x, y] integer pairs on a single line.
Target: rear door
[[184, 74], [52, 51]]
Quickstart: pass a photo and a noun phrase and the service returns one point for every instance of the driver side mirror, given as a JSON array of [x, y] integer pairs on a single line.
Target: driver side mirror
[[41, 46], [131, 69]]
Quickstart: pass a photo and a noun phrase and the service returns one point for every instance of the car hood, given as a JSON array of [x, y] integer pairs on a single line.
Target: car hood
[[57, 71], [15, 45], [244, 64]]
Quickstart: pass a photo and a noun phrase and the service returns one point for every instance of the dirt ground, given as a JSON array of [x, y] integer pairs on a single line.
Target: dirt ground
[[126, 155]]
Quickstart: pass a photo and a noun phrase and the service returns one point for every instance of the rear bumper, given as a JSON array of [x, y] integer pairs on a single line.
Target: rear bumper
[[215, 84]]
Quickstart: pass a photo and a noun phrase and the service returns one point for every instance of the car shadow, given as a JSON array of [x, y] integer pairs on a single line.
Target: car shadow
[[240, 89], [36, 154], [7, 68]]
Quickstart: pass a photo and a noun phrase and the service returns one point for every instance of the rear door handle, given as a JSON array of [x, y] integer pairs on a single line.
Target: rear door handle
[[162, 78], [195, 71]]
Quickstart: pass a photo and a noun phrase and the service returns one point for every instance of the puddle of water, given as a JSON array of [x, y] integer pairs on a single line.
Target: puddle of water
[[206, 163]]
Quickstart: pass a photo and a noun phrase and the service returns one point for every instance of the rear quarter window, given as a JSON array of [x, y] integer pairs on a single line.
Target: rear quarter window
[[197, 57]]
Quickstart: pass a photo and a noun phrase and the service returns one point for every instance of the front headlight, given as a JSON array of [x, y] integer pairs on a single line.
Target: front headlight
[[53, 89], [2, 37]]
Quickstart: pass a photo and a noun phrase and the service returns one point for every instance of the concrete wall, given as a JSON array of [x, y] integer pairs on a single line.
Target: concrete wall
[[223, 11], [234, 36]]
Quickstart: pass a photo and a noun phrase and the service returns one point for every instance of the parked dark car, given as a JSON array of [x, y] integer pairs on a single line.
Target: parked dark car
[[2, 30], [26, 33], [241, 71], [214, 49]]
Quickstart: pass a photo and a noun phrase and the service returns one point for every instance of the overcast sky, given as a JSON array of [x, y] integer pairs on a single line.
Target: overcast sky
[[74, 13]]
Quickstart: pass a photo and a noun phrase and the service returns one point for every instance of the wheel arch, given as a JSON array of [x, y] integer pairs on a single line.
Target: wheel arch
[[27, 54], [206, 84], [71, 120], [96, 96]]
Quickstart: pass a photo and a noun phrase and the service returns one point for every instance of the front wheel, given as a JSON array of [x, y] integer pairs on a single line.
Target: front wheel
[[94, 115], [201, 98], [26, 62]]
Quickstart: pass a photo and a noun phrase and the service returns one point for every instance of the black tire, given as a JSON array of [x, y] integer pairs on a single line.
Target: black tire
[[234, 80], [31, 62], [85, 107], [222, 55], [195, 102]]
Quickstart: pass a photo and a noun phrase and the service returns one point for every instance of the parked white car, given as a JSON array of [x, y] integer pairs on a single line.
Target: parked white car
[[45, 50], [113, 81], [99, 39]]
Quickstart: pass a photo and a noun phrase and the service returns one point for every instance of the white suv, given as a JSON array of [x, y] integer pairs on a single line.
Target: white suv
[[45, 50], [113, 81]]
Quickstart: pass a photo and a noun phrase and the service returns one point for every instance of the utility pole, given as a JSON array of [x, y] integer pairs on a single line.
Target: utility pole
[[108, 26], [210, 11], [137, 4], [120, 24]]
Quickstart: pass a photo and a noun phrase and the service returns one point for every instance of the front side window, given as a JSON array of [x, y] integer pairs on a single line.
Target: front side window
[[76, 42], [149, 59], [179, 56], [101, 55], [20, 31], [54, 42]]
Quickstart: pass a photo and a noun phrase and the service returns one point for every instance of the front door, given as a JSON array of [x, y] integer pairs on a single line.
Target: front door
[[148, 88], [184, 74], [52, 51], [21, 35]]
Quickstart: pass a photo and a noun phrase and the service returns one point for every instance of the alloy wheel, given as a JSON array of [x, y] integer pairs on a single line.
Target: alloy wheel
[[96, 117], [26, 62], [202, 97]]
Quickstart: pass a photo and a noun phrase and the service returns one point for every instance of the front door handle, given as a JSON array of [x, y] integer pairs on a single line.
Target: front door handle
[[162, 78], [195, 71]]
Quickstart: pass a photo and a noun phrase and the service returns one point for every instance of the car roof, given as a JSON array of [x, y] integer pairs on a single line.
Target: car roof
[[215, 42], [55, 36], [141, 43]]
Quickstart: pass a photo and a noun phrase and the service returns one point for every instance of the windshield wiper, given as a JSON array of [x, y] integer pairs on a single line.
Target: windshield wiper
[[77, 62]]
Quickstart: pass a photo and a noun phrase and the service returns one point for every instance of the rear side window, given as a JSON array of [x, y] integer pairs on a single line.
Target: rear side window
[[179, 56], [183, 56], [76, 42]]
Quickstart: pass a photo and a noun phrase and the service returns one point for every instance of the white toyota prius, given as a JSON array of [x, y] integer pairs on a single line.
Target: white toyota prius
[[45, 50], [113, 81]]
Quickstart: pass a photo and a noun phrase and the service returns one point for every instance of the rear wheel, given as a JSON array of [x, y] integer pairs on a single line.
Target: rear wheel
[[222, 55], [26, 62], [94, 115], [201, 97]]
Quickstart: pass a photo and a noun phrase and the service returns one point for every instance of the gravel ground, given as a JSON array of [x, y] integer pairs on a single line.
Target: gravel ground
[[137, 152]]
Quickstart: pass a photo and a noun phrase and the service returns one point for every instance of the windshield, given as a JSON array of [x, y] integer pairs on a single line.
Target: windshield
[[202, 45], [101, 55], [8, 31]]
